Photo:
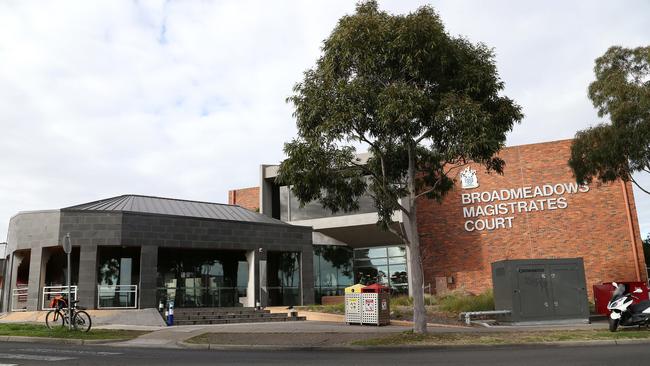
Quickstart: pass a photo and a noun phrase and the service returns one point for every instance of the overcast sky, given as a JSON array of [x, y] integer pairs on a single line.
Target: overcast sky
[[185, 99]]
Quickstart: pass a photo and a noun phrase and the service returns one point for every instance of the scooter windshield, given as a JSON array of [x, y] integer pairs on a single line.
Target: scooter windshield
[[618, 293]]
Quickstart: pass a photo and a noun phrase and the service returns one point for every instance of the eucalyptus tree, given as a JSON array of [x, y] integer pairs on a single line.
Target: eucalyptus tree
[[423, 103], [621, 147]]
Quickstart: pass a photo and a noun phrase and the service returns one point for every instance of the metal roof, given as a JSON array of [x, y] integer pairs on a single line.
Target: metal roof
[[175, 207]]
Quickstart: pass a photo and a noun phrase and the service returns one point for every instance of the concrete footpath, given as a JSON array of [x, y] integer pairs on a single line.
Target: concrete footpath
[[305, 334], [310, 334]]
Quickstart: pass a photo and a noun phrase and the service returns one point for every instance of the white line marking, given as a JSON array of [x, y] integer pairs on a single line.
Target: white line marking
[[21, 356], [8, 364]]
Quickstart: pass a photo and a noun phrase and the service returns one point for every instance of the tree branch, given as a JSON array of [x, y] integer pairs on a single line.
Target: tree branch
[[638, 186], [456, 166], [399, 234], [379, 180]]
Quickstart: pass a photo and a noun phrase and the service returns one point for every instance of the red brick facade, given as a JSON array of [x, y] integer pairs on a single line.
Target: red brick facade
[[567, 223], [593, 225], [248, 198]]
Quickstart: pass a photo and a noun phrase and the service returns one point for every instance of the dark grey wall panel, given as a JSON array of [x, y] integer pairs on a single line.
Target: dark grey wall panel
[[541, 289], [181, 232], [92, 228]]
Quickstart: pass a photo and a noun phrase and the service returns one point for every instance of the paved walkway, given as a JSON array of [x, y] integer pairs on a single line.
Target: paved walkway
[[308, 333]]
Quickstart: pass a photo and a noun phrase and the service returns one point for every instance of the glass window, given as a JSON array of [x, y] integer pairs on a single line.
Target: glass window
[[384, 265], [398, 274], [397, 251], [370, 275], [290, 209], [332, 270], [370, 253], [202, 278], [117, 273], [371, 262]]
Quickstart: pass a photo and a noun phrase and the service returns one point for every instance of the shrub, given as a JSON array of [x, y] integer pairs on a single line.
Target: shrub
[[404, 300], [461, 302], [332, 309]]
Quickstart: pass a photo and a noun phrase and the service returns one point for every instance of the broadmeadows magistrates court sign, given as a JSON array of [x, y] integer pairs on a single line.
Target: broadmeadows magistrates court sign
[[492, 210]]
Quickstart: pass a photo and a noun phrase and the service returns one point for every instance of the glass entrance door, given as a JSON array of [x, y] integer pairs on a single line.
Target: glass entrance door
[[283, 278]]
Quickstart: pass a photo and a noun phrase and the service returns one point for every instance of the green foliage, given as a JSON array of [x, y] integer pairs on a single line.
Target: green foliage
[[418, 98], [460, 302], [621, 91], [408, 301], [330, 309], [424, 103]]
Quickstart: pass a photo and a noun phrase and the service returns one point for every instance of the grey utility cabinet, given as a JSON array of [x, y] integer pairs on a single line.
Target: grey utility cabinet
[[541, 289]]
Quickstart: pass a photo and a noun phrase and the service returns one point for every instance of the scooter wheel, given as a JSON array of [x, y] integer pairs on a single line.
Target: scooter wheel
[[613, 324]]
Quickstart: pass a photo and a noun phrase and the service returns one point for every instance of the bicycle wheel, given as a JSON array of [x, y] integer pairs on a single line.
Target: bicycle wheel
[[54, 319], [81, 321]]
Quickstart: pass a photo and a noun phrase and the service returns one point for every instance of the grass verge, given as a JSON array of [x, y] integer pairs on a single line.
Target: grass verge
[[523, 337], [34, 330]]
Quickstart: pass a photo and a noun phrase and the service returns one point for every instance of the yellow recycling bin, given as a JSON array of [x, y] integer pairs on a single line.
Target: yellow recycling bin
[[353, 304]]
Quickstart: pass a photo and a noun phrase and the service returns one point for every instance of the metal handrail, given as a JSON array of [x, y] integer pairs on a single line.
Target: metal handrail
[[119, 289], [16, 293], [57, 290]]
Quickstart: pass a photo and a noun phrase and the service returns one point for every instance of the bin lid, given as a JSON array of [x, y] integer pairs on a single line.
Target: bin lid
[[375, 289], [354, 289]]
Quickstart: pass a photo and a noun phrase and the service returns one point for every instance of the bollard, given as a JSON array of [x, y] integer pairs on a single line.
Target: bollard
[[170, 313]]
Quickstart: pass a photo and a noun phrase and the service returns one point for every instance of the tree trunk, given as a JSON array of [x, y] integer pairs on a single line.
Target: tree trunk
[[417, 277]]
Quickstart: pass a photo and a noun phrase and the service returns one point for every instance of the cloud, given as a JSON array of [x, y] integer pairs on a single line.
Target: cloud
[[186, 98]]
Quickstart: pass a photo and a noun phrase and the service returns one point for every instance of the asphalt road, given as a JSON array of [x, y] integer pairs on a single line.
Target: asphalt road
[[43, 354]]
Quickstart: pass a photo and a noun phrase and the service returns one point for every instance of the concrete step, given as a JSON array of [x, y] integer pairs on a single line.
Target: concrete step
[[238, 320], [218, 311], [200, 313], [228, 316]]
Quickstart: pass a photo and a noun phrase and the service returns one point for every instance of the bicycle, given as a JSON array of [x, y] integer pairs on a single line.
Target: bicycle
[[58, 317]]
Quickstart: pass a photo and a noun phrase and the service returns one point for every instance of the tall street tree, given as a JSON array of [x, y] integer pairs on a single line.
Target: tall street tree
[[424, 103], [621, 147]]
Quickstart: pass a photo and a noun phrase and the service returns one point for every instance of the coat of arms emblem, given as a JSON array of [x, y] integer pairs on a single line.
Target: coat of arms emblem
[[468, 178]]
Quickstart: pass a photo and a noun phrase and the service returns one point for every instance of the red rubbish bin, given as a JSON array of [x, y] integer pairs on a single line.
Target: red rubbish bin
[[375, 305], [603, 293]]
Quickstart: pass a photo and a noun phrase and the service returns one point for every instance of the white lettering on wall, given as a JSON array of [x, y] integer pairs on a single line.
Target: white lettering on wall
[[484, 208]]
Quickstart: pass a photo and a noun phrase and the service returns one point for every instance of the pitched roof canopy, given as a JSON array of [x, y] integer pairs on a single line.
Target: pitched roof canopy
[[175, 207]]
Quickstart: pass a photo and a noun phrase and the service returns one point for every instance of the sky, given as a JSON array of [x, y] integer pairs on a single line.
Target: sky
[[186, 99]]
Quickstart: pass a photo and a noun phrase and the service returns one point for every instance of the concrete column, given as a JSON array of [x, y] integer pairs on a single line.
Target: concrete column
[[88, 276], [257, 291], [148, 276], [307, 275], [6, 285], [34, 281], [13, 274], [252, 285], [266, 194]]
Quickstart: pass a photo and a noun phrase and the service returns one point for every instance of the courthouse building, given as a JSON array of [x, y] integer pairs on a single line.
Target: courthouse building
[[263, 248], [534, 210]]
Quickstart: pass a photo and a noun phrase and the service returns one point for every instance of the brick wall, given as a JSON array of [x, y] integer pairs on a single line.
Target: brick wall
[[594, 225], [248, 198]]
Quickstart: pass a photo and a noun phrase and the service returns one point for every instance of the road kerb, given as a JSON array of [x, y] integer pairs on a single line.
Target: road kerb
[[240, 347]]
